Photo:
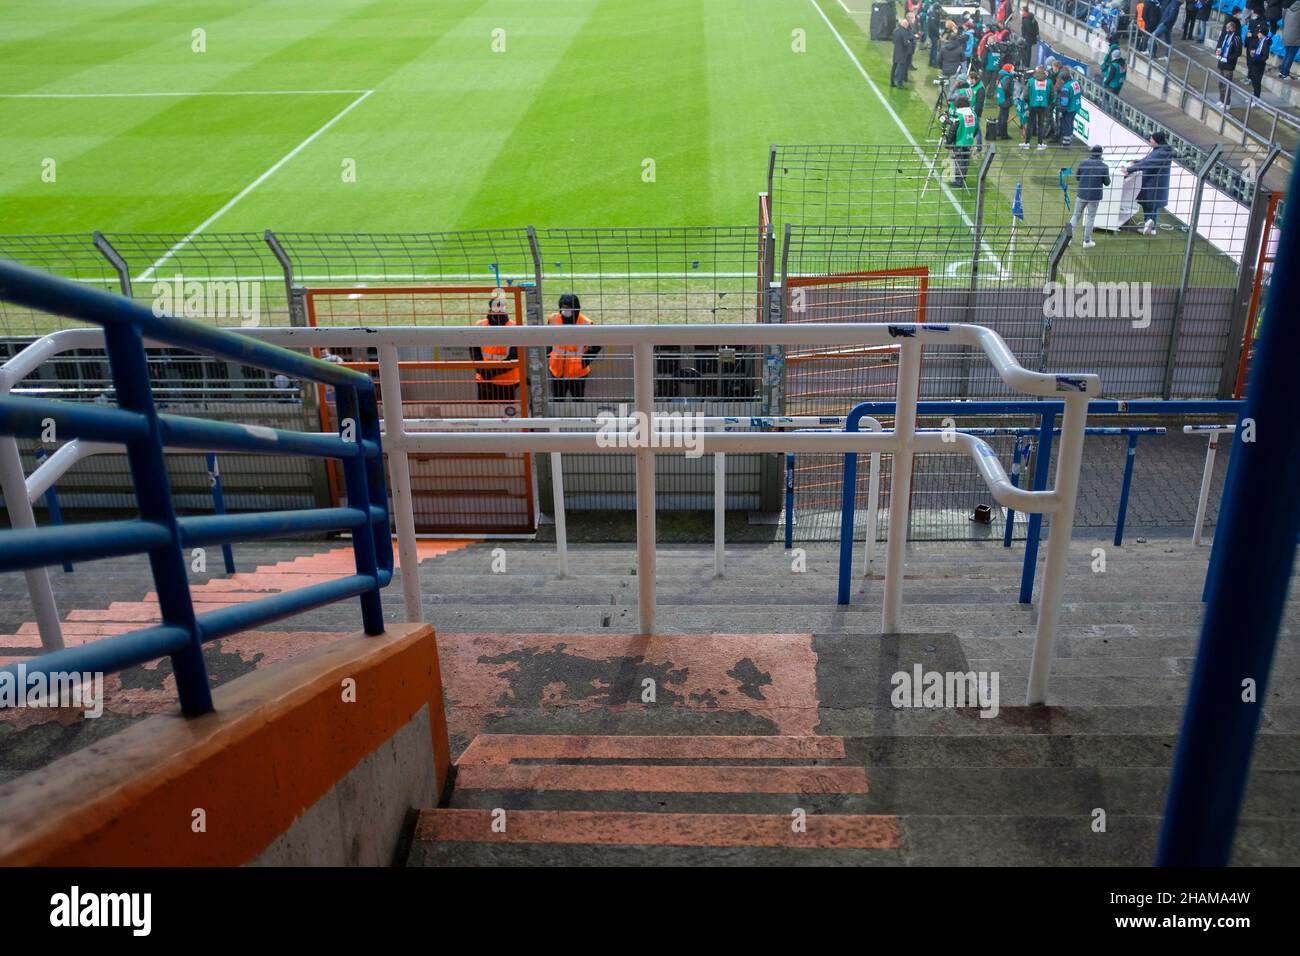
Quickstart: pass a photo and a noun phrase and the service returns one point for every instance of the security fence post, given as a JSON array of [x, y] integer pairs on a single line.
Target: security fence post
[[115, 260], [1180, 298]]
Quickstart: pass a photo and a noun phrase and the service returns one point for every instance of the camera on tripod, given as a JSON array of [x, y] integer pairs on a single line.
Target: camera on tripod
[[948, 129]]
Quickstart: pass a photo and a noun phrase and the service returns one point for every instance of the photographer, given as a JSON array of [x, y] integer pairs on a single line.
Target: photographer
[[976, 95], [1005, 94], [1038, 102], [959, 131], [1069, 97]]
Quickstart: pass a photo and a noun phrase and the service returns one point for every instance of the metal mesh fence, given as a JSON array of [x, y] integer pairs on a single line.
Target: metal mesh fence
[[230, 279], [649, 276], [72, 256], [496, 256]]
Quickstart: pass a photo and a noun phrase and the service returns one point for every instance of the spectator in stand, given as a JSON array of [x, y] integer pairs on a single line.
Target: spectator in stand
[[904, 44], [1029, 33], [1273, 13], [1203, 20], [1227, 50], [1006, 94], [1140, 15], [1192, 16], [1093, 177], [1256, 21], [1290, 38], [1168, 18], [1258, 43]]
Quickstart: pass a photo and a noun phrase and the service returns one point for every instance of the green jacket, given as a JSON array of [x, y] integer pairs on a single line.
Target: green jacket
[[1006, 88], [1113, 76], [967, 123], [1038, 92]]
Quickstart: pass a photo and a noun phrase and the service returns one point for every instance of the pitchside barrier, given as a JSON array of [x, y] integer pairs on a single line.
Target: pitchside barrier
[[997, 275]]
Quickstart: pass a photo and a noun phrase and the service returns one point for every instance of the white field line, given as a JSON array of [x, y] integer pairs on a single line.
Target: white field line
[[848, 11], [148, 273], [96, 96], [899, 123], [446, 277]]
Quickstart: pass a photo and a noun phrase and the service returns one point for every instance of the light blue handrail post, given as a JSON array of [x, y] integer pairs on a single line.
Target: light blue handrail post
[[1042, 462], [789, 500], [1010, 528], [52, 504], [1221, 524], [1247, 588], [124, 344], [1129, 458], [219, 505]]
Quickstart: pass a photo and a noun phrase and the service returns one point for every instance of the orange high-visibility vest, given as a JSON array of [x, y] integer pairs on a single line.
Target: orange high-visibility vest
[[566, 360], [497, 353]]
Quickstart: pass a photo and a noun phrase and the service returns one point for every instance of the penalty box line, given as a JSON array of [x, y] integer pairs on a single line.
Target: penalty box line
[[198, 230], [142, 95], [898, 121]]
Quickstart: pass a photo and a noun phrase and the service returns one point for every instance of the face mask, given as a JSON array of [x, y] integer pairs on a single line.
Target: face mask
[[566, 314]]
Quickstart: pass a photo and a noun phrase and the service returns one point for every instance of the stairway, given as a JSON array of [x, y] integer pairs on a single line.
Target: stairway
[[774, 705]]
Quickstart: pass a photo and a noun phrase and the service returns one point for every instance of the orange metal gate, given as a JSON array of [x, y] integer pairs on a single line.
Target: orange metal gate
[[451, 494]]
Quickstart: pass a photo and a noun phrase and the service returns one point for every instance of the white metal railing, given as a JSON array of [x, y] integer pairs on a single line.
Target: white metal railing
[[723, 423], [903, 442], [1207, 472]]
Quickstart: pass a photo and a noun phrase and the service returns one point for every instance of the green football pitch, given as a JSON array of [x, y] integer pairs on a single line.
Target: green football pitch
[[402, 116], [420, 116]]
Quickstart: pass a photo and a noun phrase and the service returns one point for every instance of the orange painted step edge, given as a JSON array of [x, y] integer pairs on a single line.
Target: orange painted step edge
[[502, 748], [830, 831], [661, 778]]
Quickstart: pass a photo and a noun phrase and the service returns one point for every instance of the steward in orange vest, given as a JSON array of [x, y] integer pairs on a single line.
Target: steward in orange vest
[[496, 384], [570, 364]]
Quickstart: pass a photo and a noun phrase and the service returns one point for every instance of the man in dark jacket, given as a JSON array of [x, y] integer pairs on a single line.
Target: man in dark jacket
[[904, 44], [1290, 38], [1029, 32], [1192, 16], [1168, 18], [952, 54], [1093, 177], [1227, 51], [1258, 43], [934, 30], [1153, 194]]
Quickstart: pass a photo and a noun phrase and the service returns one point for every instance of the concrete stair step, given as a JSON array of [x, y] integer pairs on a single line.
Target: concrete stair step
[[927, 840]]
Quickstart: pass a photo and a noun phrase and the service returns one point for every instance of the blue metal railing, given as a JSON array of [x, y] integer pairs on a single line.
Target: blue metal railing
[[158, 531], [1047, 412], [1246, 588]]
